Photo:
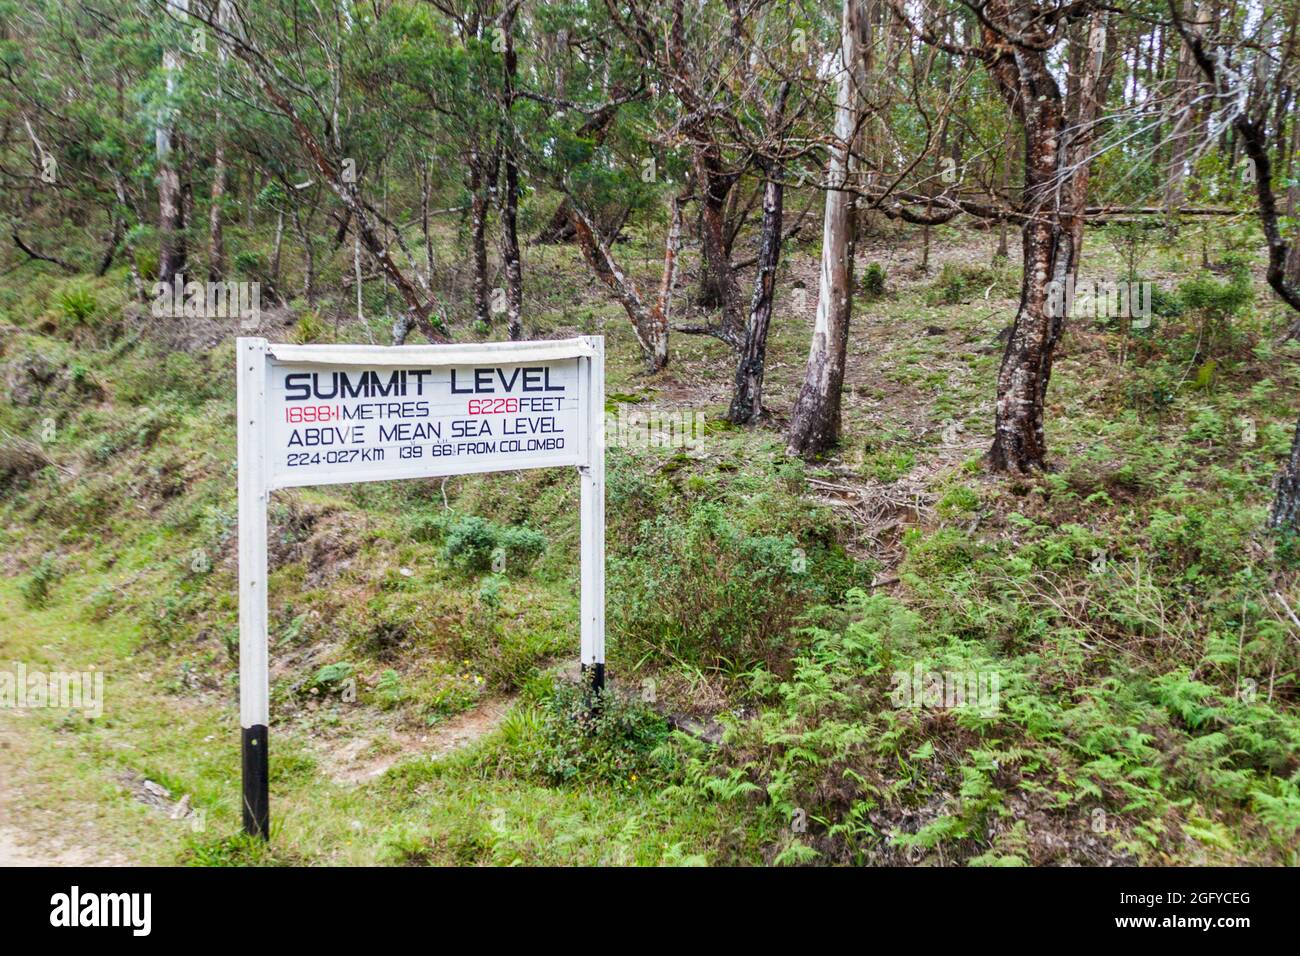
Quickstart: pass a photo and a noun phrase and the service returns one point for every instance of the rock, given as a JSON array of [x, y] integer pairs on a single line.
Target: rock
[[182, 808]]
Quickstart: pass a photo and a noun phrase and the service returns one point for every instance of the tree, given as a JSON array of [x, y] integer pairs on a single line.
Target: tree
[[815, 421], [747, 396], [171, 211], [1250, 76], [1018, 40]]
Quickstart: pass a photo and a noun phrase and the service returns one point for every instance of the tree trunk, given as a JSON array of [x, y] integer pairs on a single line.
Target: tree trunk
[[510, 207], [309, 254], [510, 254], [1049, 255], [123, 201], [1077, 143], [718, 286], [815, 421], [747, 398], [1286, 504], [1004, 189], [1292, 268], [424, 218], [216, 237], [478, 240], [275, 252], [1186, 81], [116, 230], [356, 277], [649, 323], [171, 216]]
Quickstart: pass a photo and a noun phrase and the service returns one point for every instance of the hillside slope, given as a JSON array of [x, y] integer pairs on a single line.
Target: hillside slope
[[1123, 624]]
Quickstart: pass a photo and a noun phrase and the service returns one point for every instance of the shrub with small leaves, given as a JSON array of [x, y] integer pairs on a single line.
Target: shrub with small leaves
[[598, 737], [473, 544], [36, 586], [873, 281]]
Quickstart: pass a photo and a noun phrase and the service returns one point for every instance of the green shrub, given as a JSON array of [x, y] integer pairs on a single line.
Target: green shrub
[[251, 263], [699, 590], [389, 691], [1166, 304], [78, 304], [873, 281], [147, 262], [1217, 301], [522, 546], [36, 587], [469, 543], [473, 544], [331, 676], [310, 327], [956, 284], [588, 737]]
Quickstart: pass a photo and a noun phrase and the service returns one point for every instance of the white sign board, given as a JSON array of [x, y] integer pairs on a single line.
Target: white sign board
[[326, 414], [332, 424]]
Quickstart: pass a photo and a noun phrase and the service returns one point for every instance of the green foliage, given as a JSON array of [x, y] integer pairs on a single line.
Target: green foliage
[[310, 327], [956, 284], [888, 464], [700, 590], [586, 737], [38, 583], [1164, 303], [873, 282], [78, 304], [1216, 300], [470, 542], [474, 544], [389, 692], [331, 676]]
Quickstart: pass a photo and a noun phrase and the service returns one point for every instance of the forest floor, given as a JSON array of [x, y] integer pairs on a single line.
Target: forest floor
[[1129, 603]]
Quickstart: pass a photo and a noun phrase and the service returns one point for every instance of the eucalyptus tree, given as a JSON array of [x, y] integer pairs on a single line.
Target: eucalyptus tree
[[815, 421]]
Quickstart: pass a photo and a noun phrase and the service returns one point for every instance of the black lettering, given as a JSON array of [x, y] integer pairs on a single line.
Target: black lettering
[[296, 386]]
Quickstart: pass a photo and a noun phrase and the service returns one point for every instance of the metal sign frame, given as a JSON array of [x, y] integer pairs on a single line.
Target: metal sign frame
[[256, 361]]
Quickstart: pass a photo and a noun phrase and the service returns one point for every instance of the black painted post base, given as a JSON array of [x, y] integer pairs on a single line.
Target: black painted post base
[[593, 679], [257, 809], [594, 676]]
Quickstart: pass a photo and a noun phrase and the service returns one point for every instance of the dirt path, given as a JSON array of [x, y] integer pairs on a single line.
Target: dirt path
[[11, 854], [27, 846], [50, 853], [356, 762]]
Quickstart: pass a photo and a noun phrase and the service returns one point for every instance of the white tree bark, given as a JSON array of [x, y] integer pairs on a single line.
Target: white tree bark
[[815, 422]]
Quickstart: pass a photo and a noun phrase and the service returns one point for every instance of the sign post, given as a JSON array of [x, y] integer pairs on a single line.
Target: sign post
[[329, 414]]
